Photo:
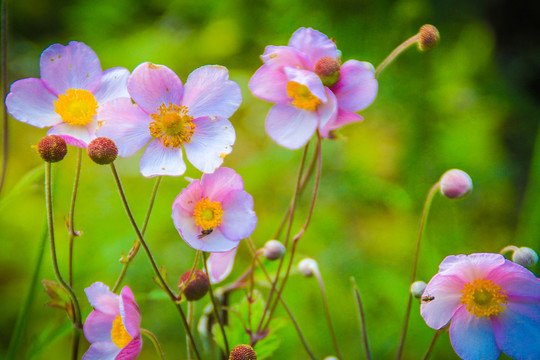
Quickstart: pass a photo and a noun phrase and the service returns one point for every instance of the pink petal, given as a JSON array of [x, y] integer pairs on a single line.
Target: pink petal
[[210, 143], [159, 160], [327, 113], [446, 300], [343, 118], [515, 280], [471, 267], [151, 85], [129, 310], [113, 85], [126, 124], [102, 350], [189, 196], [279, 56], [289, 126], [357, 86], [31, 102], [74, 66], [102, 299], [220, 265], [239, 219], [209, 92], [314, 44], [75, 135], [309, 79], [269, 84], [131, 351], [218, 184], [98, 326]]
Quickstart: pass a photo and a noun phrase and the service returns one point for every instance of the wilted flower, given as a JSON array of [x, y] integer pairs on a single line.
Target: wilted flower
[[68, 95], [493, 303]]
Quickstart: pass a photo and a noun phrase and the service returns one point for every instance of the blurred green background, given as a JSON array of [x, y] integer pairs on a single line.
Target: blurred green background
[[471, 103]]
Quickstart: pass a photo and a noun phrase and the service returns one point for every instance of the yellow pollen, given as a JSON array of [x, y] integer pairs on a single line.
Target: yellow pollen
[[76, 106], [119, 334], [208, 214], [483, 298], [172, 125], [302, 97]]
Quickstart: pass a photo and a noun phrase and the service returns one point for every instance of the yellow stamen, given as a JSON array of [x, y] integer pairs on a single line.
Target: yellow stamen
[[76, 106], [302, 97], [172, 125], [119, 334], [483, 298], [208, 214]]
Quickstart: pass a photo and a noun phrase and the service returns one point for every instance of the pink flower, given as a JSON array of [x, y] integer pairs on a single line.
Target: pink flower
[[71, 90], [493, 303], [220, 265], [310, 88], [214, 214], [113, 328], [169, 117]]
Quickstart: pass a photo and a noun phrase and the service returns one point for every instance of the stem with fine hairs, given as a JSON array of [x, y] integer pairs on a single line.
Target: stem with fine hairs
[[72, 232]]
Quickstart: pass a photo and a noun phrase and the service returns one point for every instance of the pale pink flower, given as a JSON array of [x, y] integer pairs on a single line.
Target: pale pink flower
[[220, 265]]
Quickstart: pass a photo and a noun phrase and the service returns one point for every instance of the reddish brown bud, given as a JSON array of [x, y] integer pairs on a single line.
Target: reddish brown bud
[[429, 37], [196, 288], [243, 352], [102, 150], [52, 148], [327, 69]]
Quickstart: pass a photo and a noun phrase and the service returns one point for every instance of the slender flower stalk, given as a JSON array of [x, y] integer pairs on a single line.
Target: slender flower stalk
[[432, 344], [423, 220], [192, 273], [154, 341], [362, 320], [191, 310], [397, 51], [72, 232], [5, 128]]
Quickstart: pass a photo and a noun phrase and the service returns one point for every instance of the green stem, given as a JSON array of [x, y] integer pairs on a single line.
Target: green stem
[[432, 344], [154, 341], [363, 327], [394, 54], [190, 314], [72, 232]]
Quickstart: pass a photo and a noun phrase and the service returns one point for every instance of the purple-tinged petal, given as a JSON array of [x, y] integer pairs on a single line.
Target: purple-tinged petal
[[189, 196], [290, 126], [343, 118], [446, 300], [217, 185], [239, 219], [209, 92], [314, 44], [269, 84], [217, 242], [308, 79], [75, 135], [74, 66], [102, 350], [515, 280], [98, 326], [220, 265], [113, 85], [126, 124], [471, 267], [131, 350], [357, 86], [102, 299], [279, 56], [327, 113], [129, 310], [152, 85], [472, 337], [210, 143], [31, 102], [159, 160]]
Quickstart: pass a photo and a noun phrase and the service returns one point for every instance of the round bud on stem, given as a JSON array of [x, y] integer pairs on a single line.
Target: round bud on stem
[[456, 184], [308, 267], [273, 250], [196, 288], [330, 358], [102, 150], [243, 352], [417, 289], [429, 37], [525, 256], [327, 69], [52, 148]]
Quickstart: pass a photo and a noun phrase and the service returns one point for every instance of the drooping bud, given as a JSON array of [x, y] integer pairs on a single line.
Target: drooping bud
[[243, 352], [417, 289], [327, 69], [102, 150], [52, 148], [273, 250], [196, 288], [525, 256], [456, 184], [308, 267], [429, 37]]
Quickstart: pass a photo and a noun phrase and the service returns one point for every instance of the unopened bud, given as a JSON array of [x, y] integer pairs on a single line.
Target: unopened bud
[[102, 150], [196, 288], [327, 69], [52, 148], [525, 256], [429, 37], [456, 184], [331, 358], [417, 289], [273, 250], [243, 352], [308, 267]]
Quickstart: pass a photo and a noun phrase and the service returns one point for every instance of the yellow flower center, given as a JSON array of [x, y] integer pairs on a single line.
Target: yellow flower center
[[172, 125], [76, 106], [302, 97], [483, 298], [119, 334], [208, 214]]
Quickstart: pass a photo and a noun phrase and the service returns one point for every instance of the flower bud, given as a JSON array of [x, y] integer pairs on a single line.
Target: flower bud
[[273, 250], [102, 150], [456, 184], [429, 37], [330, 358], [525, 256], [52, 148], [196, 288], [308, 267], [243, 352], [417, 289], [327, 69]]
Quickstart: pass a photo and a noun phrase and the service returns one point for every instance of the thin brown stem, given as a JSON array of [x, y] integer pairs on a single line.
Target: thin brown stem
[[394, 54], [72, 232], [363, 327], [190, 324], [432, 344], [5, 127], [318, 275]]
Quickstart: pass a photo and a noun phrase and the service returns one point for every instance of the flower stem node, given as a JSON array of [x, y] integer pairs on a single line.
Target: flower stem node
[[196, 288], [273, 250], [327, 69], [243, 352], [525, 256], [52, 148], [308, 267], [417, 289], [429, 37], [456, 184], [102, 150]]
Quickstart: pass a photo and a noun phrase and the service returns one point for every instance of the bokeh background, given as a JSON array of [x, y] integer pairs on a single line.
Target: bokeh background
[[471, 103]]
